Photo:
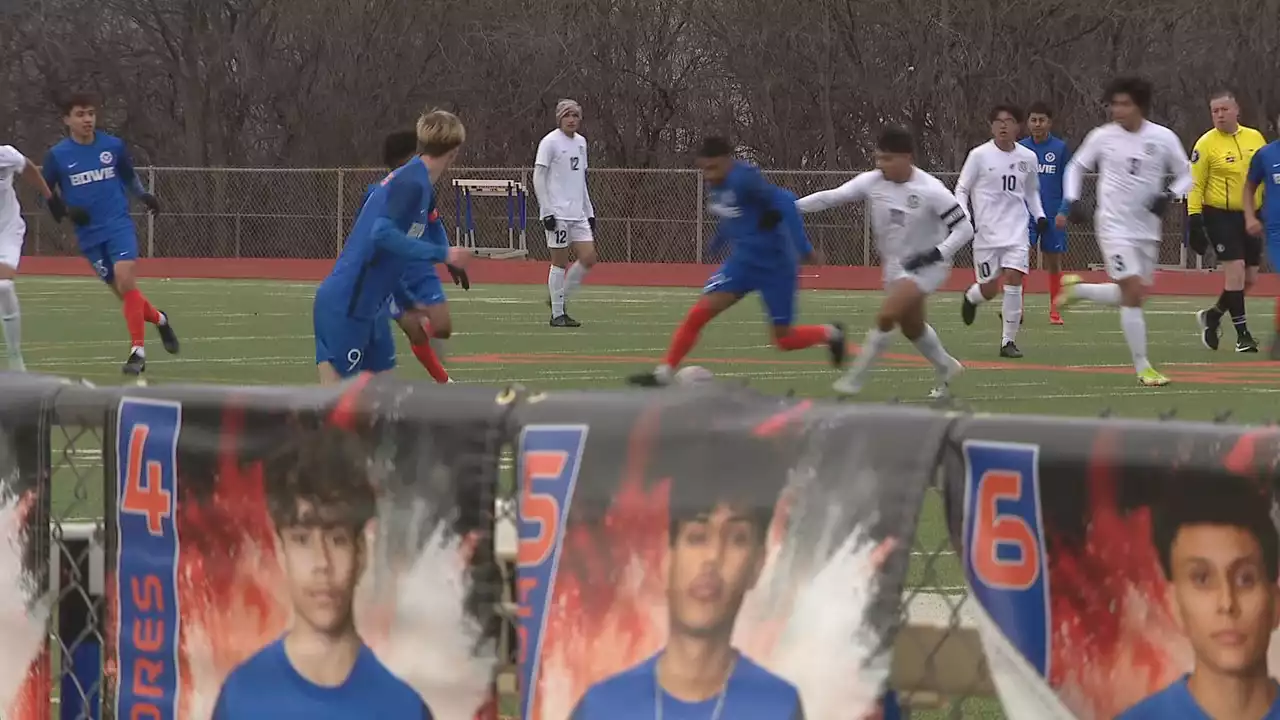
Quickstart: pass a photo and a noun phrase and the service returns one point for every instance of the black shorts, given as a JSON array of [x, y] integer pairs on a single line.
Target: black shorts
[[1229, 239]]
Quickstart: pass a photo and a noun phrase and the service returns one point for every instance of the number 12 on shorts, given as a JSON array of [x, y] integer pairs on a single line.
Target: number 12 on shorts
[[1004, 549]]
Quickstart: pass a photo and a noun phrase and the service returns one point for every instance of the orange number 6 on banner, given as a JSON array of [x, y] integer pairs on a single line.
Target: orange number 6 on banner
[[993, 529], [144, 492]]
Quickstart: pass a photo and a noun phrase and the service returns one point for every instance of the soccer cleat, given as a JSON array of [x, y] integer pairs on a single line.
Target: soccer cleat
[[1055, 318], [1246, 344], [1210, 328], [942, 390], [135, 365], [968, 311], [1275, 347], [1067, 296], [659, 377], [1151, 378], [168, 337], [564, 321], [1009, 350], [836, 345], [848, 385]]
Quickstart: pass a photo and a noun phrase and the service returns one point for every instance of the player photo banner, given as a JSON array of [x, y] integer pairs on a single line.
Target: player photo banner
[[306, 552], [709, 552], [1110, 559]]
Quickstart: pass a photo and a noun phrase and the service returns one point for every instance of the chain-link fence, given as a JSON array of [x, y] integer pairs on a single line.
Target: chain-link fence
[[642, 216]]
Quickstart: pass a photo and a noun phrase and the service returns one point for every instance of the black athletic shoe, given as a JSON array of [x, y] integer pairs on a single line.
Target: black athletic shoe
[[1275, 347], [1210, 328], [564, 321], [135, 365], [1246, 344], [1009, 350], [968, 311], [168, 336], [836, 345], [649, 379]]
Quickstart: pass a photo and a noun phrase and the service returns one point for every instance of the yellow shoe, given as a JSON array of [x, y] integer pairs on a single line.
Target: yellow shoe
[[1151, 378], [1067, 296]]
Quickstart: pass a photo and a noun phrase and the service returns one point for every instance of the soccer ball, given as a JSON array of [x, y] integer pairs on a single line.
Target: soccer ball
[[692, 375]]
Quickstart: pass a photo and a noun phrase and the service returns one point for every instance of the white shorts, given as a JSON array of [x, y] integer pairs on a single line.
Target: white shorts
[[569, 231], [928, 279], [11, 248], [1130, 258], [988, 262]]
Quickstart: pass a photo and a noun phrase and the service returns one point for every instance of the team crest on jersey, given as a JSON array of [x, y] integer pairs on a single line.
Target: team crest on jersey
[[913, 201], [1231, 158], [1022, 166], [1195, 156], [1149, 148], [106, 158], [1050, 157]]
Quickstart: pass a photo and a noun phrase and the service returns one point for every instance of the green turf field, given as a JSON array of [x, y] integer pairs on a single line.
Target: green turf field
[[243, 332]]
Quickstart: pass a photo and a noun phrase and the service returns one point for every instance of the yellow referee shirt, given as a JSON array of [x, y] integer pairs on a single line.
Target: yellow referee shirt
[[1219, 165]]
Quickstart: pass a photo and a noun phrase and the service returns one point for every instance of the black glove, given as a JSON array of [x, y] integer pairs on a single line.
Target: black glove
[[1077, 213], [770, 219], [591, 223], [153, 205], [919, 260], [1197, 235], [57, 208], [78, 215], [459, 276], [1160, 203], [1042, 227], [549, 222]]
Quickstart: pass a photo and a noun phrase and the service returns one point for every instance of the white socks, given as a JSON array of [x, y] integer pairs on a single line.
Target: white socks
[[1134, 324], [573, 278], [974, 294], [1011, 310], [556, 286], [11, 324], [930, 346], [872, 348], [1101, 293]]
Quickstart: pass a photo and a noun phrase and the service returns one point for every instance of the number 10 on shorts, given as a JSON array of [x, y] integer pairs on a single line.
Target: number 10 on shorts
[[1004, 559]]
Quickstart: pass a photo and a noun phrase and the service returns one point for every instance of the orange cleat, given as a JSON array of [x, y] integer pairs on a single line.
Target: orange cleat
[[1055, 318]]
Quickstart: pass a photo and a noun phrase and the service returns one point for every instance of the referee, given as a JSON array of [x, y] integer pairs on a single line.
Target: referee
[[1219, 164]]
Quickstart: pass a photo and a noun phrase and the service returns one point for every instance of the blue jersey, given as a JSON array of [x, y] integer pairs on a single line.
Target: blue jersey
[[740, 203], [1052, 157], [752, 693], [97, 177], [1176, 703], [1264, 170], [389, 232], [267, 686]]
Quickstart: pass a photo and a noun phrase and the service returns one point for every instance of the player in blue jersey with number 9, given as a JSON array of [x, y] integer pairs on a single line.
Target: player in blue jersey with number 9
[[1264, 171]]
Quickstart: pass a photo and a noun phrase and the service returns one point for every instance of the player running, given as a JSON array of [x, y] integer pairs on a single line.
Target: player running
[[12, 231], [767, 246], [1000, 182], [1264, 171], [420, 307], [560, 182], [94, 175], [1052, 156], [351, 313], [918, 226], [1132, 155]]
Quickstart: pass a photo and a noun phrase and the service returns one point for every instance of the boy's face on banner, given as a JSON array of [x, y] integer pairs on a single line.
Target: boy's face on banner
[[323, 563], [1227, 606], [715, 559]]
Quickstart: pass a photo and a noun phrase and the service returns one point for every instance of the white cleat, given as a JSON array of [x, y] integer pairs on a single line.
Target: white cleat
[[848, 385], [942, 390]]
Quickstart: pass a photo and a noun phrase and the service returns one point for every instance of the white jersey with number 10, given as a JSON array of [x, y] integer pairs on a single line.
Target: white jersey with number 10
[[1004, 190]]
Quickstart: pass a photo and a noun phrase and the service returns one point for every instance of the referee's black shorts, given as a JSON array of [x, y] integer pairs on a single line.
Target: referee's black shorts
[[1230, 241]]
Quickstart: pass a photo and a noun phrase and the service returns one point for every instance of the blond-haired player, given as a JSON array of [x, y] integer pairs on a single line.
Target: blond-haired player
[[351, 312], [560, 182], [12, 230]]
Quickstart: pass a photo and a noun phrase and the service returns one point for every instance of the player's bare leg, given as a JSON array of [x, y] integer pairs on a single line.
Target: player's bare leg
[[1011, 313], [138, 312], [916, 328], [328, 375], [1053, 266], [427, 327], [686, 336], [1128, 294], [557, 288], [903, 306], [11, 317]]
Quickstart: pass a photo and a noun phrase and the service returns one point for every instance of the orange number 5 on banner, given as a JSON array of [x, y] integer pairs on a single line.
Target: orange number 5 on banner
[[144, 495], [540, 508], [993, 529]]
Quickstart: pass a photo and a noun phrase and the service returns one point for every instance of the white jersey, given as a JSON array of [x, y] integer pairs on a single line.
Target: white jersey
[[1132, 170], [1004, 190], [12, 162], [565, 192], [907, 218]]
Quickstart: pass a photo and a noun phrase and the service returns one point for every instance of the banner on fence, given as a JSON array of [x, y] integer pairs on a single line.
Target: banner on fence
[[712, 553], [1123, 569], [281, 556]]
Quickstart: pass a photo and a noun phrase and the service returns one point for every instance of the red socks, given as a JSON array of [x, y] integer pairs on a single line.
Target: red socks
[[1055, 286], [686, 336], [137, 313], [803, 336], [427, 357]]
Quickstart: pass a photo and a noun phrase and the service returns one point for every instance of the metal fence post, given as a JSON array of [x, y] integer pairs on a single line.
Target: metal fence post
[[698, 219], [866, 234], [151, 218], [338, 217]]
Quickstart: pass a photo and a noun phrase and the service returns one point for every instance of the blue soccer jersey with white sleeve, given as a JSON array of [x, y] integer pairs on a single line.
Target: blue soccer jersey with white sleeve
[[268, 686], [98, 177]]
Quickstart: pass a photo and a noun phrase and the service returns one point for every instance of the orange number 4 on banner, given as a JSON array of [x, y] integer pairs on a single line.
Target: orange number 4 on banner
[[993, 529], [144, 492]]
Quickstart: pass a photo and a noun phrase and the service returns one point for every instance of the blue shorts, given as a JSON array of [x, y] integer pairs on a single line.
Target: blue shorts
[[777, 289], [120, 246], [419, 288], [1273, 251], [353, 345], [1055, 240]]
